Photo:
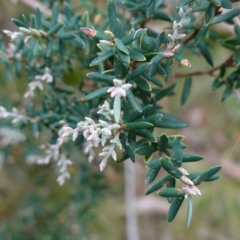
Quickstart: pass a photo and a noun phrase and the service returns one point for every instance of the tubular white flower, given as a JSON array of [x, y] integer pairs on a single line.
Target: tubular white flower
[[12, 35], [119, 89]]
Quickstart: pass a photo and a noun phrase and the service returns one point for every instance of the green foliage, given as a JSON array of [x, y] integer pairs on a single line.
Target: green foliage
[[124, 71]]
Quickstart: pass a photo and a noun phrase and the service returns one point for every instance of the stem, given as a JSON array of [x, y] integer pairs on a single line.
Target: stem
[[130, 201], [210, 72]]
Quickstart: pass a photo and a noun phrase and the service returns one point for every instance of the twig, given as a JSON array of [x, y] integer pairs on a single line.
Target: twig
[[210, 72]]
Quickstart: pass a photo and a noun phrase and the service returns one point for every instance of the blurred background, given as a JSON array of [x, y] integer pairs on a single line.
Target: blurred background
[[92, 205]]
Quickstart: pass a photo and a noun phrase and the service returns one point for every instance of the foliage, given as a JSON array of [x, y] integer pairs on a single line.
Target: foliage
[[123, 71]]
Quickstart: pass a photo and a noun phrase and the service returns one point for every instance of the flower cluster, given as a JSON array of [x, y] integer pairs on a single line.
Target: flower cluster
[[119, 89], [26, 33], [10, 136], [97, 134], [54, 152], [187, 184], [38, 83], [16, 115], [184, 19]]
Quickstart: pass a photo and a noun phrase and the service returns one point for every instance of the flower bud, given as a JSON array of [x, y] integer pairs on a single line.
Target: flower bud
[[88, 31], [186, 63], [107, 43], [109, 34]]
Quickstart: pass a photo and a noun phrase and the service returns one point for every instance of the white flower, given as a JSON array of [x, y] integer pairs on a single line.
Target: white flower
[[187, 181], [191, 190], [183, 171], [12, 35], [62, 178], [119, 89], [46, 77]]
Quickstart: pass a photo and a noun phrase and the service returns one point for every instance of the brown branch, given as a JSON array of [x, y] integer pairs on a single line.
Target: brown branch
[[210, 72]]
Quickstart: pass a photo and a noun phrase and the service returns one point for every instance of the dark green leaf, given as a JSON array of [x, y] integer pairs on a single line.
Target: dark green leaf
[[96, 94], [171, 192], [153, 118], [142, 83], [66, 36], [136, 56], [209, 14], [151, 175], [160, 38], [159, 184], [112, 16], [145, 134], [132, 101], [150, 8], [176, 157], [216, 2], [38, 18], [101, 77], [217, 84], [170, 168], [207, 174], [104, 56], [133, 36], [201, 34], [35, 47], [49, 47], [121, 46], [146, 150], [138, 125], [175, 206], [186, 90], [226, 4], [19, 23], [227, 16], [54, 28], [205, 52], [141, 69], [191, 158], [155, 164], [185, 2], [227, 92], [54, 13]]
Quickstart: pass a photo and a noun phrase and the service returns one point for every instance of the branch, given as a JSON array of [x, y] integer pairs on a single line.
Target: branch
[[210, 72]]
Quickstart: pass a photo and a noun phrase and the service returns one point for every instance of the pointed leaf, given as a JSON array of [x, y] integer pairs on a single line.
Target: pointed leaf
[[101, 77], [132, 101], [96, 94], [190, 210], [159, 184], [209, 14], [170, 168], [138, 125], [104, 56], [171, 192], [175, 206], [205, 52], [146, 150], [155, 164], [191, 158], [225, 17], [145, 134], [186, 90], [141, 69], [151, 175]]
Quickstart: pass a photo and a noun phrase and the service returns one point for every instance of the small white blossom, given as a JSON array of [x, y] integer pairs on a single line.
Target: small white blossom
[[12, 35], [191, 190], [16, 115], [187, 181], [119, 89], [10, 136], [37, 83], [183, 171]]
